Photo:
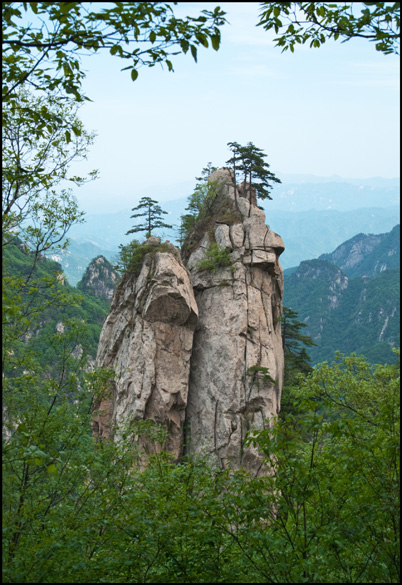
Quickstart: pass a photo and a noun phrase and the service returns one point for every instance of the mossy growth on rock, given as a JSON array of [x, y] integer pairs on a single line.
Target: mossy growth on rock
[[215, 209], [132, 256], [216, 258]]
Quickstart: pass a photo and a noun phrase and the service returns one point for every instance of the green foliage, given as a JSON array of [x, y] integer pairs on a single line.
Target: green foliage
[[204, 208], [260, 374], [316, 22], [152, 213], [75, 509], [59, 487], [206, 172], [357, 314], [199, 202], [46, 54], [215, 258], [249, 160], [32, 313], [328, 514], [135, 257], [296, 358], [199, 205], [131, 256], [36, 159]]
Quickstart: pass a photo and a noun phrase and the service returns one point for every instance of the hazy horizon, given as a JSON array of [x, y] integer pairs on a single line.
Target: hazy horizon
[[172, 192]]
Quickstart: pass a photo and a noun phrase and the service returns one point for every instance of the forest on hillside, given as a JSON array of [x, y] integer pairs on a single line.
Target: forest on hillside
[[79, 510]]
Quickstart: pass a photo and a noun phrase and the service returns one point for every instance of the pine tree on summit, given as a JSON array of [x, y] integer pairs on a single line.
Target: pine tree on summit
[[152, 213], [249, 161]]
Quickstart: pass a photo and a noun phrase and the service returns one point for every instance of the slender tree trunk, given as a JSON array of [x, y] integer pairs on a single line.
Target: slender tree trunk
[[149, 223], [15, 539], [234, 170]]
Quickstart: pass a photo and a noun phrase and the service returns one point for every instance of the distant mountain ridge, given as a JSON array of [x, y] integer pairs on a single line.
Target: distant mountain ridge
[[335, 195], [314, 215], [306, 234], [353, 304], [382, 182], [379, 186], [367, 254]]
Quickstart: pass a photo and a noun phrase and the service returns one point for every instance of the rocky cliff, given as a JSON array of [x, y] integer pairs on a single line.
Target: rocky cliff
[[367, 254], [147, 338], [197, 344], [237, 349], [99, 279]]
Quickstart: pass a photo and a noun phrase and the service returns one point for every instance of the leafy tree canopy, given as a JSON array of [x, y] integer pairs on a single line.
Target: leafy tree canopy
[[36, 158], [328, 514], [316, 22], [206, 172], [199, 208], [43, 41], [335, 480]]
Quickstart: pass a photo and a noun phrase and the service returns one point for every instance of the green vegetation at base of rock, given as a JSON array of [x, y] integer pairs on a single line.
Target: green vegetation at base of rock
[[75, 512]]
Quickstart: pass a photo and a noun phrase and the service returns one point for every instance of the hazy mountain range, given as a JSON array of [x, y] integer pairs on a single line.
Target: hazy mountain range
[[313, 215], [350, 299]]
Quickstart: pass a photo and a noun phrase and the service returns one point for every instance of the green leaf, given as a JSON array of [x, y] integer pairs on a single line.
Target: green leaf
[[134, 74], [215, 40]]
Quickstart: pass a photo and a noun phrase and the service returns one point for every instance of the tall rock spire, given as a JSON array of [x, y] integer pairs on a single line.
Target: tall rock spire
[[197, 347], [237, 362], [147, 338]]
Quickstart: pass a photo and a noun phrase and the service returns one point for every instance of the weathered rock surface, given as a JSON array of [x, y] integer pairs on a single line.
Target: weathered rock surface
[[99, 279], [148, 339], [238, 328], [200, 350]]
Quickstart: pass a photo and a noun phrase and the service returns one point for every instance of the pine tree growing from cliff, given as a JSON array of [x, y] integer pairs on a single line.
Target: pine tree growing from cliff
[[297, 360], [249, 161], [296, 356], [152, 212], [206, 173]]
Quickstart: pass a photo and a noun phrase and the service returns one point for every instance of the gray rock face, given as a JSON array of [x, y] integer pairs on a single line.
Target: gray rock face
[[238, 328], [148, 338], [200, 350], [100, 279]]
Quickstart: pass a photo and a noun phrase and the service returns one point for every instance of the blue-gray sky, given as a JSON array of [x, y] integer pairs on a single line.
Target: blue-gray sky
[[326, 111]]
